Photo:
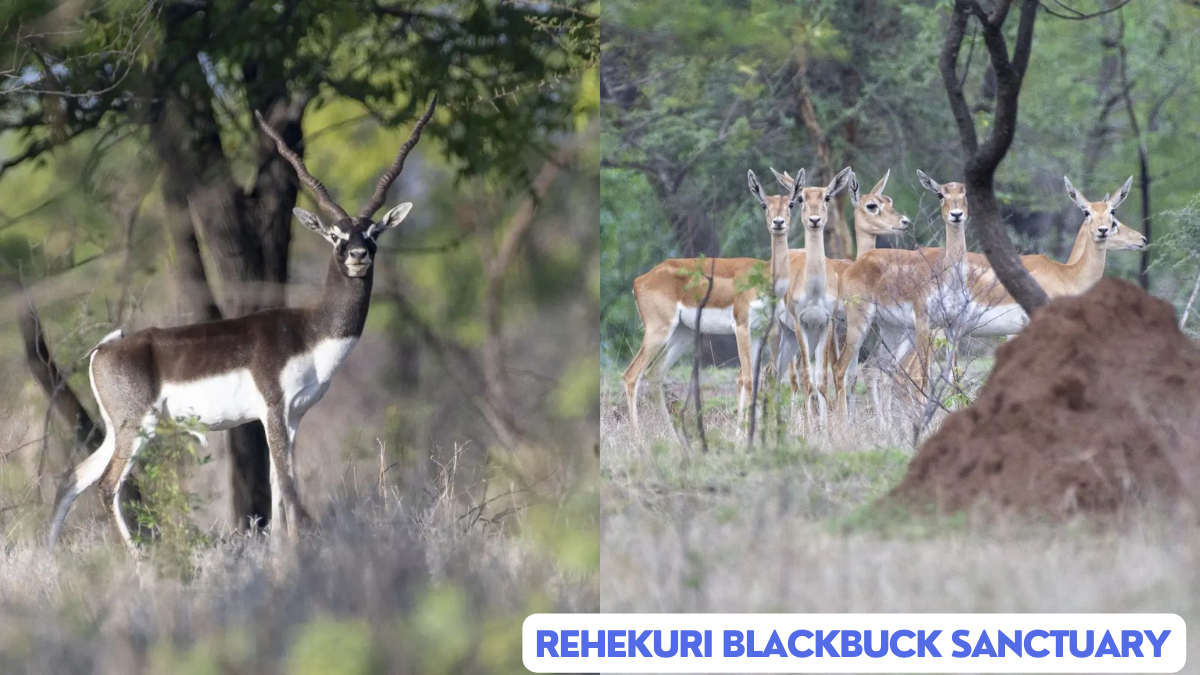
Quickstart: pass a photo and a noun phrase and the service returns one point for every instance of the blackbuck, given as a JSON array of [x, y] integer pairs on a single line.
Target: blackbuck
[[957, 291], [669, 295], [811, 295], [271, 366], [997, 313]]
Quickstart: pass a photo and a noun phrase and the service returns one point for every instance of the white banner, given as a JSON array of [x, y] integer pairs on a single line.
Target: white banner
[[860, 643]]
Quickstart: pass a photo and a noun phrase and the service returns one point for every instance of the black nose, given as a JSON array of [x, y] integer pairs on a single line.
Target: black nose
[[778, 221], [905, 221], [814, 219], [357, 255], [956, 215]]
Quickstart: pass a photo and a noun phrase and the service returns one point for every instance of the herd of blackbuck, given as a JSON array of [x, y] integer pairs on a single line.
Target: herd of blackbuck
[[270, 366], [906, 296]]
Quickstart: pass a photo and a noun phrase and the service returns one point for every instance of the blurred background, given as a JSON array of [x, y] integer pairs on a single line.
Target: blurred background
[[696, 93]]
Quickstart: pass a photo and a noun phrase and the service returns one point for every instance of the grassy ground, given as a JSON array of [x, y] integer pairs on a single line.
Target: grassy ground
[[787, 527], [383, 585]]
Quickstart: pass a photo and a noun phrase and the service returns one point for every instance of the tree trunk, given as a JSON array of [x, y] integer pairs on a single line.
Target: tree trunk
[[983, 160], [247, 235], [696, 235], [837, 233]]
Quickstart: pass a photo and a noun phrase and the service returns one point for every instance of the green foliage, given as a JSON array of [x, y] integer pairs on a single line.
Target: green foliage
[[163, 514], [327, 646], [701, 92]]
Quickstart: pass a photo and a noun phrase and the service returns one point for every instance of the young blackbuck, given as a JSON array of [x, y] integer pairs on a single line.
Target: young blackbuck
[[904, 291], [812, 290], [668, 295], [270, 366], [874, 215], [997, 313]]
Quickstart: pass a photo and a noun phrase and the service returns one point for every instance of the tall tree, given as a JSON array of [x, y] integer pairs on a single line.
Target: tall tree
[[982, 160]]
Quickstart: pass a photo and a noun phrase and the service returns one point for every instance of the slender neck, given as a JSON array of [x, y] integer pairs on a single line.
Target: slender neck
[[1088, 267], [779, 259], [1080, 245], [864, 241], [956, 243], [342, 311], [814, 257]]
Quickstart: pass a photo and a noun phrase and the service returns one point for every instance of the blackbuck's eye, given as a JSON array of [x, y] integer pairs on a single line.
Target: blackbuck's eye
[[827, 198], [872, 207], [941, 197]]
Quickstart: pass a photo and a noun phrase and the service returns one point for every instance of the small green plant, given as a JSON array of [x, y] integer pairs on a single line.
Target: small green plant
[[164, 510]]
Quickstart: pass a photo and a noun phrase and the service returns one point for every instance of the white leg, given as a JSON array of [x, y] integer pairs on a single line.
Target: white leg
[[681, 338], [818, 376], [149, 423], [277, 516]]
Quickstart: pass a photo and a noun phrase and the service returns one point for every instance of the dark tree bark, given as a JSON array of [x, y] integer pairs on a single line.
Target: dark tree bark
[[54, 383], [983, 160], [247, 234]]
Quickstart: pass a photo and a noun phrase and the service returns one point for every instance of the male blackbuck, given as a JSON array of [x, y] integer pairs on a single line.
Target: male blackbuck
[[930, 288], [668, 296], [812, 295], [270, 366]]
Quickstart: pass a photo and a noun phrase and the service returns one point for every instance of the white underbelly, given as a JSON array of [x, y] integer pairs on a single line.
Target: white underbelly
[[948, 307], [998, 320], [899, 316], [218, 402], [713, 321]]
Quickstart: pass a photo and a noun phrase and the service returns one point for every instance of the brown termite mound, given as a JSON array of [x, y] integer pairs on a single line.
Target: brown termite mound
[[1093, 410]]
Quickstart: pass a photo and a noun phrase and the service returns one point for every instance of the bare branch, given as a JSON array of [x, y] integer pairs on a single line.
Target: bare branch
[[1076, 15]]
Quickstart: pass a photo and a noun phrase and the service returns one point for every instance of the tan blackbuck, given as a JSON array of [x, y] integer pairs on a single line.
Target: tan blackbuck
[[270, 366], [874, 215], [669, 295], [952, 289]]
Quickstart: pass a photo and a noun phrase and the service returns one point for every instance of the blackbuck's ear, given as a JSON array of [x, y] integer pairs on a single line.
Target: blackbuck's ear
[[878, 189], [853, 188], [390, 219], [839, 182], [313, 222], [1122, 194], [928, 183], [1074, 195], [783, 179], [755, 188], [797, 189]]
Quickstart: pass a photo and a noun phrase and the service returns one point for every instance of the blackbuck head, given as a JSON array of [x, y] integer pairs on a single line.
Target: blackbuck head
[[353, 237], [874, 212], [953, 198], [814, 201], [778, 208], [1100, 217]]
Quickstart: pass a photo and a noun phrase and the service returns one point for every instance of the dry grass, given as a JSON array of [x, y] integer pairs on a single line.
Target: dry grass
[[788, 528], [384, 585]]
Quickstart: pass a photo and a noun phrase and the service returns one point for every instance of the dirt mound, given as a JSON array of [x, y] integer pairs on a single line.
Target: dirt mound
[[1093, 409]]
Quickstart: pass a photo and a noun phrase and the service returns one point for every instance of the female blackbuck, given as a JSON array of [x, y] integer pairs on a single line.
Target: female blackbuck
[[270, 366], [812, 295], [668, 296], [995, 312], [919, 290]]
